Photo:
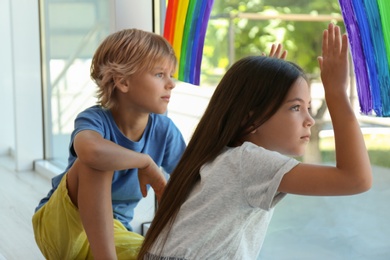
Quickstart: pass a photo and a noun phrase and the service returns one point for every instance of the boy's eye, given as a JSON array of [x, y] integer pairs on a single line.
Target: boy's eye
[[159, 75]]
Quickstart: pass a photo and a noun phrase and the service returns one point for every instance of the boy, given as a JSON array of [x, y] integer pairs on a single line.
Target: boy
[[116, 149]]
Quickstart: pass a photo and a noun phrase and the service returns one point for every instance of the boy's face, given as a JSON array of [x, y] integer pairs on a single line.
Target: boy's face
[[150, 91], [288, 130]]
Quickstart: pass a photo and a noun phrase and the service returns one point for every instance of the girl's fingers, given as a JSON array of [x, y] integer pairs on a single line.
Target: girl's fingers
[[272, 51], [331, 33], [277, 51], [320, 62], [333, 43], [337, 40], [325, 43], [284, 55], [344, 46]]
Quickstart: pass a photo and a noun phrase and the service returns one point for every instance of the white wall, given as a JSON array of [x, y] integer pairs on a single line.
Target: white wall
[[25, 49], [134, 14], [20, 84], [7, 137]]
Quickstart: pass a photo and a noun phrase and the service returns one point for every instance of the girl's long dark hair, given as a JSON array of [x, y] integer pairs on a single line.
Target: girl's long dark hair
[[251, 91]]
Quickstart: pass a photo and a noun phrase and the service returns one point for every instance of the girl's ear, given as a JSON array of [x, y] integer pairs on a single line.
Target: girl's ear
[[254, 130], [121, 84]]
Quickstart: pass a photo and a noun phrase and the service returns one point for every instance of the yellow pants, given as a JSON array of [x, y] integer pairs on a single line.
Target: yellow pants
[[59, 232]]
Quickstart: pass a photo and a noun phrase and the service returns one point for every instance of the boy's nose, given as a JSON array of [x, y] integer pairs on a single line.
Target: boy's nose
[[171, 83]]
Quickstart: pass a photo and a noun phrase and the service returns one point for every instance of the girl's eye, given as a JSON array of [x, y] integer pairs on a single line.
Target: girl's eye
[[295, 108], [160, 75]]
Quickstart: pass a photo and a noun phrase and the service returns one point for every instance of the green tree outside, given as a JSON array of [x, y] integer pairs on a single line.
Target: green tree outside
[[248, 36]]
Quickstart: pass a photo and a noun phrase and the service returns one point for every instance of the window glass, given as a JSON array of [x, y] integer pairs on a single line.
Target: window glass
[[240, 28], [71, 32]]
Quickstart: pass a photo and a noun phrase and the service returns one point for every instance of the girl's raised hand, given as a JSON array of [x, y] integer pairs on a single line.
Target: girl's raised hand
[[334, 60], [277, 52]]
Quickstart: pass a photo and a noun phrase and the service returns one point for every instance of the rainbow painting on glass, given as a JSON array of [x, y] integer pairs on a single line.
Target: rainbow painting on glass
[[185, 28], [368, 27]]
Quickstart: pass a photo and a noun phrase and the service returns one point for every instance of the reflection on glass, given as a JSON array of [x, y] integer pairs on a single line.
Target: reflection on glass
[[71, 32]]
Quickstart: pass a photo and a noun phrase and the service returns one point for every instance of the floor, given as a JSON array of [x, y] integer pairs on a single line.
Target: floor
[[19, 194], [305, 228]]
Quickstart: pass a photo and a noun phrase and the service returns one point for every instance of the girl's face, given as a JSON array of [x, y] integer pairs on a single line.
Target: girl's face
[[288, 130]]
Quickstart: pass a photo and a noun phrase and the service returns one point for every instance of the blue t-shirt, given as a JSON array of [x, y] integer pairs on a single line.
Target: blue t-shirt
[[161, 140]]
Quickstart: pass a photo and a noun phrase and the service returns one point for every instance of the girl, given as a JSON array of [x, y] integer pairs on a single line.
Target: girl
[[220, 198], [116, 149]]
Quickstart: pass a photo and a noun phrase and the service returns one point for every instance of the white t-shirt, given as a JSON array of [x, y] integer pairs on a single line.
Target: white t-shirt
[[227, 213]]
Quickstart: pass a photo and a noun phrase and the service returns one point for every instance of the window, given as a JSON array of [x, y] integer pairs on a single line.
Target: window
[[71, 32]]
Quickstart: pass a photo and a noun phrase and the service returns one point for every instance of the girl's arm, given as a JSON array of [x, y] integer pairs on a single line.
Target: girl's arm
[[352, 173]]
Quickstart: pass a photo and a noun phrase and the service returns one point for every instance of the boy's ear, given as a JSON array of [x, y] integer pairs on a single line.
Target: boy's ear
[[121, 84]]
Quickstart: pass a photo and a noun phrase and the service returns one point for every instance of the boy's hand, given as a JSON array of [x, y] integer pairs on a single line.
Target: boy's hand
[[153, 176], [276, 52]]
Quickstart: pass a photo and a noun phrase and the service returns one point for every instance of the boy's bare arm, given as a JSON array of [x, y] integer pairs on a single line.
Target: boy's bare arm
[[95, 207], [95, 165], [101, 154]]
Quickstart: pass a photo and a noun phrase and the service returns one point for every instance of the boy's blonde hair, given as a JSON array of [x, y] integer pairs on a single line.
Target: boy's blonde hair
[[123, 54]]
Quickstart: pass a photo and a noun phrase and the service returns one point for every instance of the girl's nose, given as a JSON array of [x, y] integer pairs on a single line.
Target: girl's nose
[[310, 121]]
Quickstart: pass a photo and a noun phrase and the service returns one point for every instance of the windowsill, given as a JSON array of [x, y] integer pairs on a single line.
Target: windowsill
[[47, 169]]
